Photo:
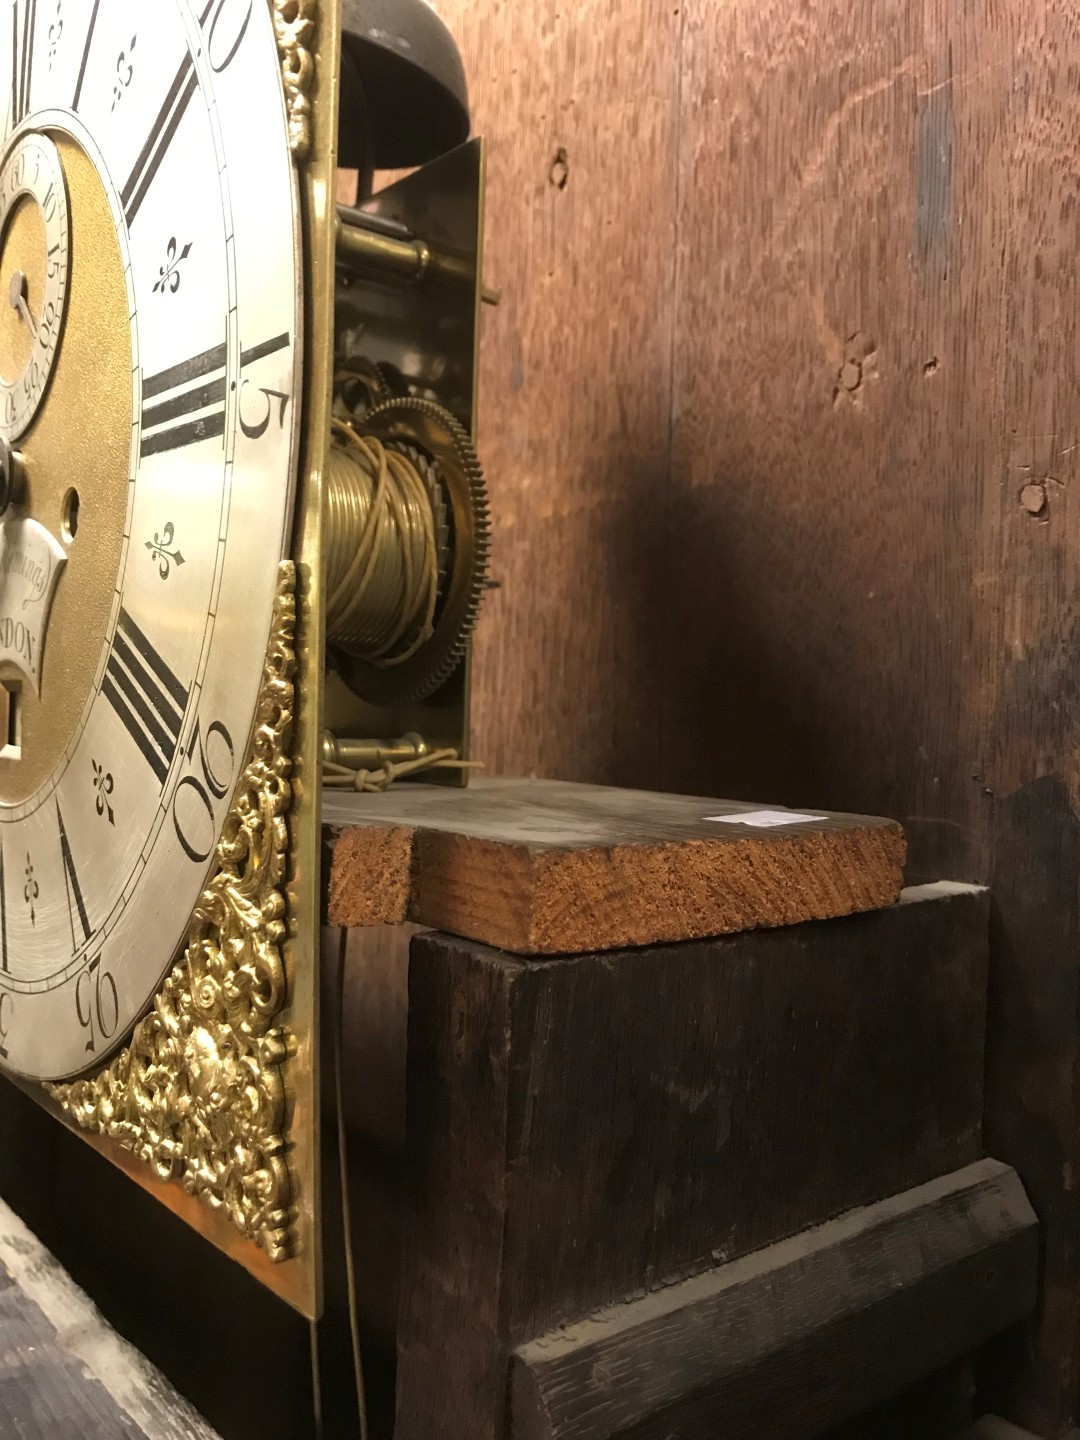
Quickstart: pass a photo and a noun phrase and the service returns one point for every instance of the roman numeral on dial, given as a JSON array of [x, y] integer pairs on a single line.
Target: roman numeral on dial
[[160, 138], [175, 395], [22, 52], [75, 902], [195, 388], [146, 695], [86, 54], [3, 914]]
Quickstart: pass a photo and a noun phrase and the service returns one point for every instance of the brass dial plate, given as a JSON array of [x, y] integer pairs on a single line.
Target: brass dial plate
[[171, 126]]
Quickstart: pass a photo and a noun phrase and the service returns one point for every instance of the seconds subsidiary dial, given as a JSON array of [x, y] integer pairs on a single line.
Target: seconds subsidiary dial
[[149, 362], [33, 196]]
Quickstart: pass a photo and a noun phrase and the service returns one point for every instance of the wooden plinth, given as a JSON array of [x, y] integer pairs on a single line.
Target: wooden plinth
[[587, 1130], [546, 867], [779, 1344]]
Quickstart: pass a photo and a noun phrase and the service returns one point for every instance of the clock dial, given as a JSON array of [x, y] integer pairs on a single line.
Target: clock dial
[[156, 445], [34, 235]]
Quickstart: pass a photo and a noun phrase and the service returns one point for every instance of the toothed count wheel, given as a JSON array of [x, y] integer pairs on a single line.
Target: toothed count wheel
[[422, 430]]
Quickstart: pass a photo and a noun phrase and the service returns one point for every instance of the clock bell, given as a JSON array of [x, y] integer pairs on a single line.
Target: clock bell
[[244, 543]]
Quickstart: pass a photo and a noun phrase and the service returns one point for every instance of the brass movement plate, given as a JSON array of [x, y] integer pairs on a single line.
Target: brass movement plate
[[429, 332]]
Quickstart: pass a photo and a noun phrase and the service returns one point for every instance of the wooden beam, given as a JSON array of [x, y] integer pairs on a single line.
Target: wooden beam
[[546, 867], [798, 1336]]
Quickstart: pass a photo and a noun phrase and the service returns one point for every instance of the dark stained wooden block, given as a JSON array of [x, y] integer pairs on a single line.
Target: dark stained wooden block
[[587, 1129], [793, 1338], [547, 867]]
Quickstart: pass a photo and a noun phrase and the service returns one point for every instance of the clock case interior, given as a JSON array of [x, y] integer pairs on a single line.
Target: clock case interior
[[424, 334], [408, 298], [394, 280]]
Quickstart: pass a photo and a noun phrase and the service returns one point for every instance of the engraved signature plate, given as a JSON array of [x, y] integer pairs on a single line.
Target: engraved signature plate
[[30, 563]]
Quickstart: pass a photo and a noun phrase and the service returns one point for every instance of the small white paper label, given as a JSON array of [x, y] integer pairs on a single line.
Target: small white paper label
[[765, 819]]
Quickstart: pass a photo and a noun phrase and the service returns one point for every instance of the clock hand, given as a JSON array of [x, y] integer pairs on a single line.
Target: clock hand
[[11, 478], [17, 293]]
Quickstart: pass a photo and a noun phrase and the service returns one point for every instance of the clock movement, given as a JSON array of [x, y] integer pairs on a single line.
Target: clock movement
[[244, 540]]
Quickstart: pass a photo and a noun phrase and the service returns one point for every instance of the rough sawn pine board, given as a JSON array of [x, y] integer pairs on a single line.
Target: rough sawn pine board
[[548, 867]]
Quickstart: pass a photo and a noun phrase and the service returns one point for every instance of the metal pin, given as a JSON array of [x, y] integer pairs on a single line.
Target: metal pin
[[391, 252], [365, 754]]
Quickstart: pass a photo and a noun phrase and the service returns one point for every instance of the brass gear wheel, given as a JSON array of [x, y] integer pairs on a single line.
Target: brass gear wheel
[[359, 387], [440, 447]]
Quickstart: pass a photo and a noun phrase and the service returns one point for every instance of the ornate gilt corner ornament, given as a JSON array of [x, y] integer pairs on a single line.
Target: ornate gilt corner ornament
[[199, 1093], [294, 25]]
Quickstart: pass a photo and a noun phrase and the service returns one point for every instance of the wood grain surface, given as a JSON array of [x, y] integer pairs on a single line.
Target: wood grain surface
[[549, 867], [64, 1372], [587, 1129], [782, 413], [154, 1281], [795, 1337], [575, 378]]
